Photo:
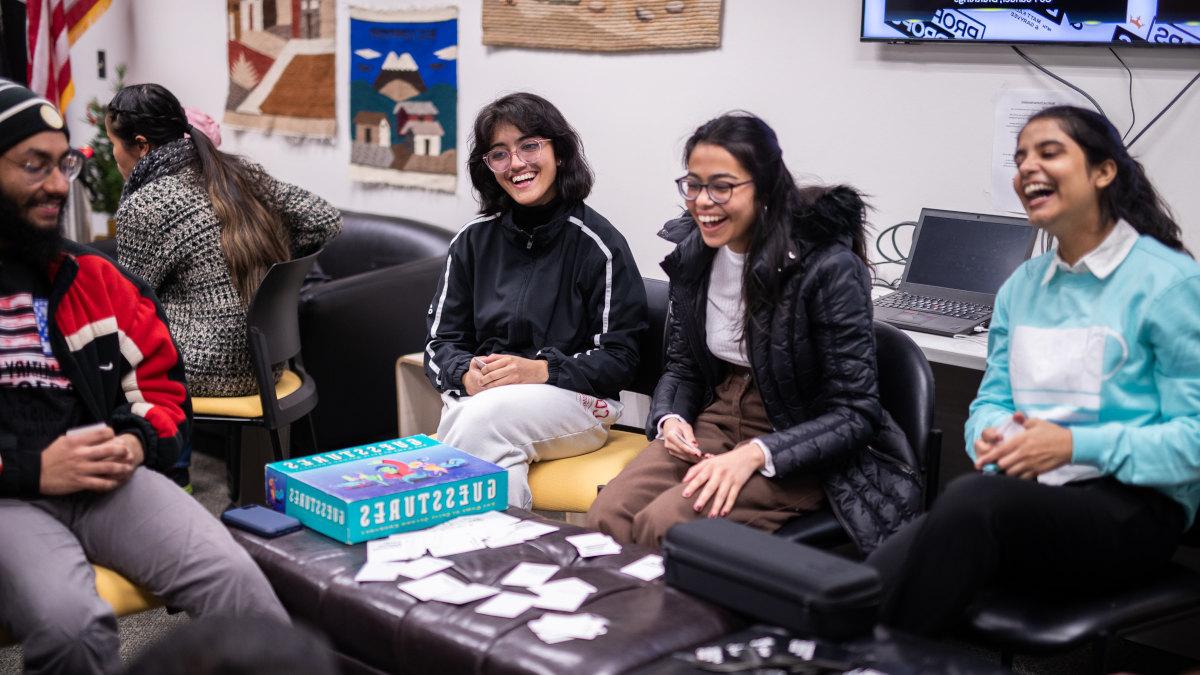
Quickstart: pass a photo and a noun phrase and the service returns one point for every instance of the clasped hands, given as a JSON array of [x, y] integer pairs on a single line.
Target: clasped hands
[[93, 458], [1042, 446], [497, 370], [715, 478]]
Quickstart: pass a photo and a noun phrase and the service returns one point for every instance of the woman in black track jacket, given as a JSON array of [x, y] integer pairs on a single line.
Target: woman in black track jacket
[[534, 327]]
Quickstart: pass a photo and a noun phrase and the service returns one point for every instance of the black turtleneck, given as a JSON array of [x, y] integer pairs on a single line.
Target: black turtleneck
[[530, 217]]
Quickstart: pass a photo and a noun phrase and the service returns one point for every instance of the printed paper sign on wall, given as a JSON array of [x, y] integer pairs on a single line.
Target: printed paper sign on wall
[[404, 97], [281, 72]]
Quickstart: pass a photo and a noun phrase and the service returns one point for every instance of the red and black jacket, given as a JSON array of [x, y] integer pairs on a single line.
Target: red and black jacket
[[109, 334]]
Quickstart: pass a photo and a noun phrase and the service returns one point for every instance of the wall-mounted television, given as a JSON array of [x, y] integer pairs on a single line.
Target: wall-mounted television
[[1089, 22]]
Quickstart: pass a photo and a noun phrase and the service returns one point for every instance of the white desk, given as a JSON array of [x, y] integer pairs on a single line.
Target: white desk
[[964, 352]]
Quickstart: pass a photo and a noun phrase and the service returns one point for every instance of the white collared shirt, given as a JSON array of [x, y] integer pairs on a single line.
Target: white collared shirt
[[1102, 260]]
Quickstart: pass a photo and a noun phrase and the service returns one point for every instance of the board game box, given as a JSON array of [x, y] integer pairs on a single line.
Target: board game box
[[371, 491]]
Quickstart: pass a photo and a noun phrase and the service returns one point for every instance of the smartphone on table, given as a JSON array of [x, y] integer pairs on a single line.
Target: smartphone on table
[[260, 520]]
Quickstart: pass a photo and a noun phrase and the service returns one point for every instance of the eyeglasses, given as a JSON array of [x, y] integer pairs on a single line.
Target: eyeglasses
[[719, 191], [38, 170], [499, 159]]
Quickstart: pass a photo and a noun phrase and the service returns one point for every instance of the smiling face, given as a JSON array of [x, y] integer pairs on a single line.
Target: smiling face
[[1058, 188], [729, 224], [528, 183], [36, 201]]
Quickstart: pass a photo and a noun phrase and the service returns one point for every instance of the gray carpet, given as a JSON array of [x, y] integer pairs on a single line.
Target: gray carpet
[[141, 630]]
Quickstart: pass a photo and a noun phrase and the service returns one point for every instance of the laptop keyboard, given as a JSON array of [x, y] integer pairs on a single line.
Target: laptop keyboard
[[922, 303]]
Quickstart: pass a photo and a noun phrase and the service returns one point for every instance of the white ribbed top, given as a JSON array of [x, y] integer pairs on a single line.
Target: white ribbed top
[[726, 308]]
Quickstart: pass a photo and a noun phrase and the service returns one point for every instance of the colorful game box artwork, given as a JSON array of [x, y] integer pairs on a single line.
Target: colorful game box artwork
[[371, 491]]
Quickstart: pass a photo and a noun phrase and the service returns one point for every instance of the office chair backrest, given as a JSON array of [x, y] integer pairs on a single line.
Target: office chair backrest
[[273, 309], [652, 344], [273, 335], [906, 389]]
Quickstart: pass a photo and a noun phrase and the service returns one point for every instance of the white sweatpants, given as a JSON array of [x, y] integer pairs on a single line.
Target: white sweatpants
[[516, 424]]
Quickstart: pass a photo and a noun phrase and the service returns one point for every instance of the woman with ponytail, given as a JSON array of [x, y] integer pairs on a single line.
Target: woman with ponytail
[[769, 405], [202, 227], [1085, 432]]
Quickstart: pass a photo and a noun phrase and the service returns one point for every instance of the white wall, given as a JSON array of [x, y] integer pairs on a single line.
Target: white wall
[[910, 125]]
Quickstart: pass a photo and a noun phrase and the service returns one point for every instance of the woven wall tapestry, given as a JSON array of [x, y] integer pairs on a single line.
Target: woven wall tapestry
[[404, 97], [603, 25], [281, 66]]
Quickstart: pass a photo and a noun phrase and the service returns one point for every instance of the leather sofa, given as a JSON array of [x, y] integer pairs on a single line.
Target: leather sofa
[[382, 272]]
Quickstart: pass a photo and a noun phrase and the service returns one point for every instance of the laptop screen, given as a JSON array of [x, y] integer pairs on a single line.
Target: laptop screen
[[967, 251]]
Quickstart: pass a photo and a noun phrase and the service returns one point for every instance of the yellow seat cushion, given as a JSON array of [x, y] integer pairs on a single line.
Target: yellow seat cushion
[[117, 591], [570, 484], [244, 406], [121, 593]]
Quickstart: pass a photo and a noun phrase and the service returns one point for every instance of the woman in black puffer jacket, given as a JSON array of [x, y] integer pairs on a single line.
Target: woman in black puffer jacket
[[769, 405]]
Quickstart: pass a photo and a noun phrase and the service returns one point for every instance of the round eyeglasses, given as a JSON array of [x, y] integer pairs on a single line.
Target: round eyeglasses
[[38, 170], [719, 191], [499, 159]]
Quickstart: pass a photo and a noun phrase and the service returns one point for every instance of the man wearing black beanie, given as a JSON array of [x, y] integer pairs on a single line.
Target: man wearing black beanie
[[93, 405]]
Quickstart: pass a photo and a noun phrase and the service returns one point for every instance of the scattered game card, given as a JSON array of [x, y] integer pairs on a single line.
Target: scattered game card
[[452, 542], [422, 567], [377, 571], [394, 549], [648, 568], [431, 587], [468, 593], [555, 628], [529, 574], [507, 605], [594, 544]]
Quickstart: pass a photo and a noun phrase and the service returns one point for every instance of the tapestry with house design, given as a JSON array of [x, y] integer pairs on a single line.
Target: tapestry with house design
[[404, 97], [281, 66]]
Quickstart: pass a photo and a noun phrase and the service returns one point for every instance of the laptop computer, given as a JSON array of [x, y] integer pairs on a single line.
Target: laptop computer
[[956, 265]]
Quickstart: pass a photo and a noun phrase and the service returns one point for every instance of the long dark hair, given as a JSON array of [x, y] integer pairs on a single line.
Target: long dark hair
[[784, 209], [252, 233], [534, 116], [1130, 196]]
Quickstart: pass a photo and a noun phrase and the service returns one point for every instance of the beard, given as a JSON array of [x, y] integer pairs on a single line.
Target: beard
[[26, 241]]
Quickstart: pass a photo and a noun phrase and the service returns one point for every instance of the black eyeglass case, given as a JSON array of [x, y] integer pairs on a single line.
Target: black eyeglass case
[[771, 579]]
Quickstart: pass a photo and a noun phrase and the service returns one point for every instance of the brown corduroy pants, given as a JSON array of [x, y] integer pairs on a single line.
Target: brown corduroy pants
[[646, 499]]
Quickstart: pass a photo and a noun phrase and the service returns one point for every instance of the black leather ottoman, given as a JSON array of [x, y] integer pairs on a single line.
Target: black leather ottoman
[[379, 626]]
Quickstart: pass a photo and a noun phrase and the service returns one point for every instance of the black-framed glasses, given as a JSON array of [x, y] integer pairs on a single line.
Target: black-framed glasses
[[499, 159], [719, 191], [38, 170]]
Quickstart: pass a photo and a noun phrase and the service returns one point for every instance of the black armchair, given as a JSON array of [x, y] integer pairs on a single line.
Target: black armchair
[[1041, 623], [906, 390], [383, 271]]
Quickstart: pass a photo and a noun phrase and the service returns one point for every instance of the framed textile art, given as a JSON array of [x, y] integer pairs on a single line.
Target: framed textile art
[[281, 66], [603, 25], [404, 97]]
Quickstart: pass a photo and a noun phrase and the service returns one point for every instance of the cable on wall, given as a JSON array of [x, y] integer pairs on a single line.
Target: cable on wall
[[1132, 108], [1164, 110], [1042, 68]]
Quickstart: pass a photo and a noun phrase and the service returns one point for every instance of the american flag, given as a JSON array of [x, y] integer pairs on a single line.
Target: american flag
[[52, 27]]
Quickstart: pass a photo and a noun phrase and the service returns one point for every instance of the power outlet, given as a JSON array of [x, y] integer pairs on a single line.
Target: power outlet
[[101, 64]]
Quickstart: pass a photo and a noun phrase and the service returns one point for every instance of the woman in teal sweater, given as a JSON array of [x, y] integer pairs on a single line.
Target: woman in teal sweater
[[1086, 428]]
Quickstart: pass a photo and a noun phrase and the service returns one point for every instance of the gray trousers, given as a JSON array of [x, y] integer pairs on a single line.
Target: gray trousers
[[149, 531]]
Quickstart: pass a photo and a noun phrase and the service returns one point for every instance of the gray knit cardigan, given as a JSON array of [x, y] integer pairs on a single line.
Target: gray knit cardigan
[[168, 233]]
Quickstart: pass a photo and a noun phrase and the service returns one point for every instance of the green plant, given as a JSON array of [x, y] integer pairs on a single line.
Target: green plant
[[101, 176]]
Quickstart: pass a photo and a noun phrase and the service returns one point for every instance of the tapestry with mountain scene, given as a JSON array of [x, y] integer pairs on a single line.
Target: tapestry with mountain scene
[[281, 66], [404, 97]]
